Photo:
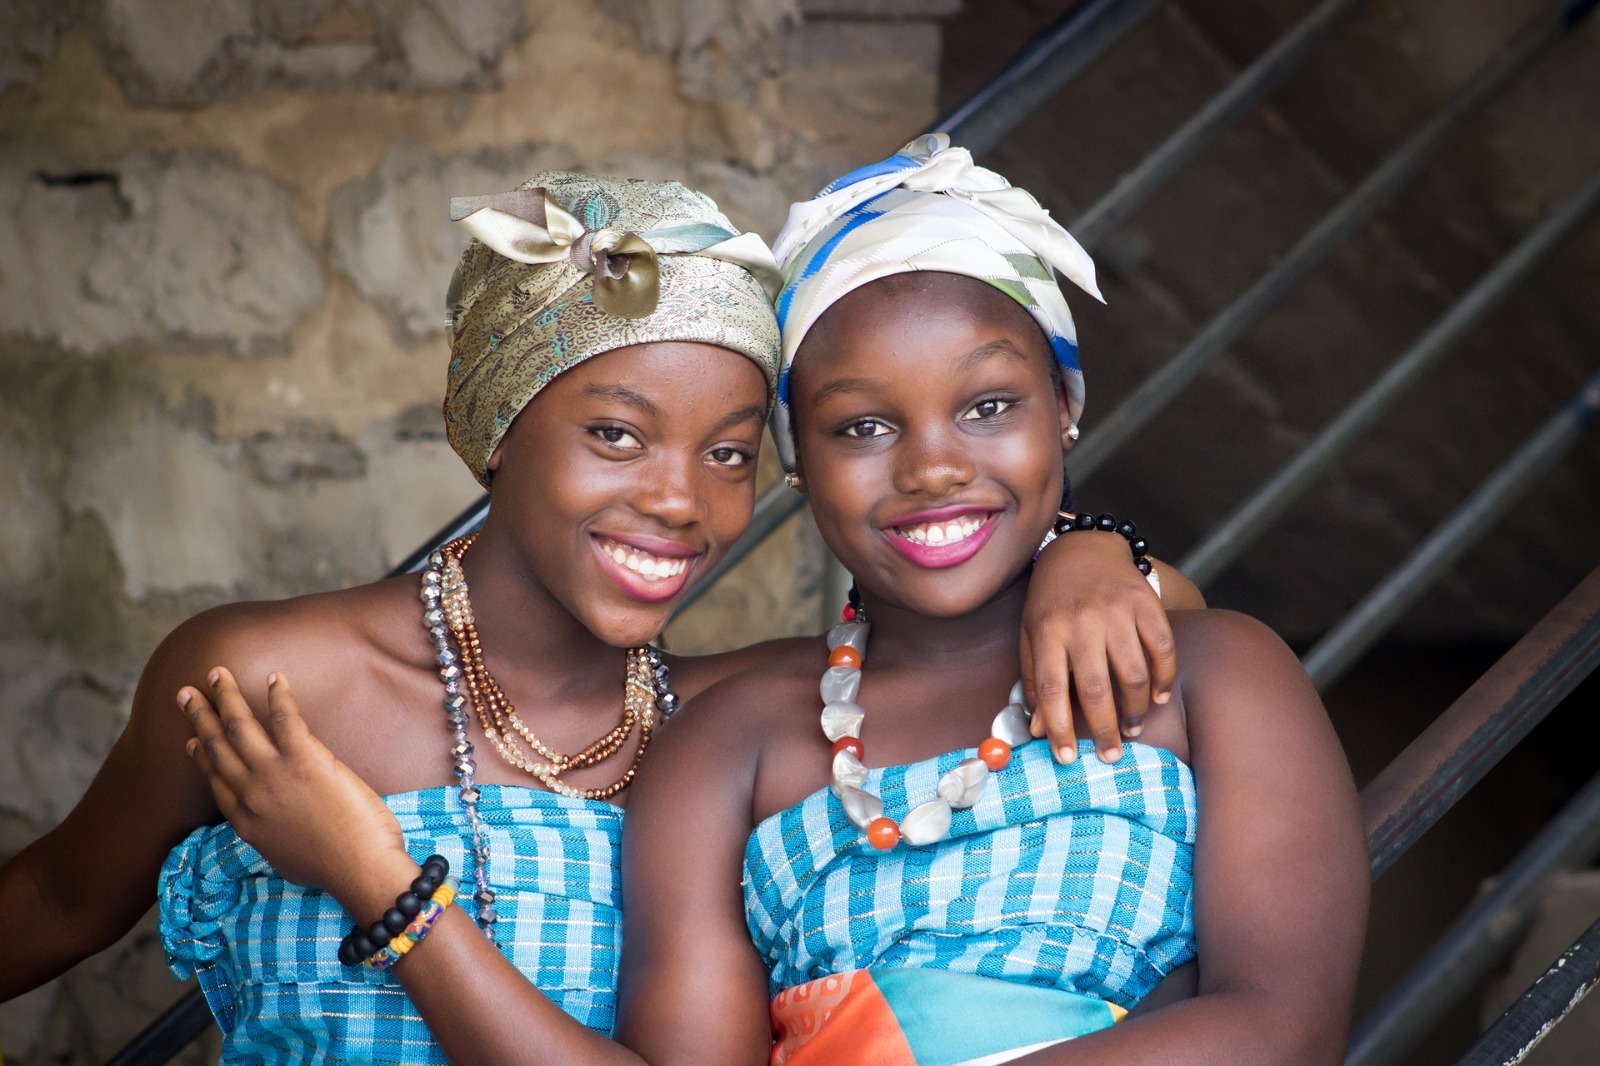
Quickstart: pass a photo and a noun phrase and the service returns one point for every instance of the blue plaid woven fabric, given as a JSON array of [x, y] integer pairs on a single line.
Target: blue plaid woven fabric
[[265, 951], [1077, 877]]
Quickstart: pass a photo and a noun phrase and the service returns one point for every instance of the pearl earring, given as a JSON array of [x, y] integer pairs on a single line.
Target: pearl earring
[[1072, 431]]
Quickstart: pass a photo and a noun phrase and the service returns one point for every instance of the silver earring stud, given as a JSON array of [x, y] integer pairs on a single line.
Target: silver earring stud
[[1072, 431], [792, 480]]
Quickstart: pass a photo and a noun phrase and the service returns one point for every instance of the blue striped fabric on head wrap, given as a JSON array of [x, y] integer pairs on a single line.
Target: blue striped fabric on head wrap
[[927, 207]]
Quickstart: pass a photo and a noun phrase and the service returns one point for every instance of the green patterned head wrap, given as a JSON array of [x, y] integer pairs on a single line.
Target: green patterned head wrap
[[569, 266]]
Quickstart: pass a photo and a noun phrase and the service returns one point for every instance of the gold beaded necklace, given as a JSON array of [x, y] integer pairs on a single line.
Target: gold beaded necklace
[[505, 728]]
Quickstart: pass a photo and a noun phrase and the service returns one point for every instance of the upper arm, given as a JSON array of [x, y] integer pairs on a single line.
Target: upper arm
[[1178, 593], [692, 987], [90, 878], [1280, 867]]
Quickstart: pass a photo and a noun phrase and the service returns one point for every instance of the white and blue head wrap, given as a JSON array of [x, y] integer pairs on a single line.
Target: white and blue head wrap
[[927, 207]]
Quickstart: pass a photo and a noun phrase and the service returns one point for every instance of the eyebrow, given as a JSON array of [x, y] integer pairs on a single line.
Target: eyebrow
[[983, 352], [843, 386], [623, 394], [756, 413], [965, 365]]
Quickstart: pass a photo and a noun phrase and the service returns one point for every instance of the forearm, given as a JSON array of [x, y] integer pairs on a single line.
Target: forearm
[[479, 1007], [1247, 1027], [46, 934]]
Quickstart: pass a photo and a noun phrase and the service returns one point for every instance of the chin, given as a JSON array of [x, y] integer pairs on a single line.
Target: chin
[[625, 628]]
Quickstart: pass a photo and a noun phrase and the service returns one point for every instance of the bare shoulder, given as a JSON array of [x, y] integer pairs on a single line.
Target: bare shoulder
[[1212, 629], [741, 714], [692, 675], [324, 642], [1248, 702], [1221, 651]]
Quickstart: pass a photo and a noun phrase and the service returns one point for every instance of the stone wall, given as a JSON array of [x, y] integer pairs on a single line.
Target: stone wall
[[223, 253]]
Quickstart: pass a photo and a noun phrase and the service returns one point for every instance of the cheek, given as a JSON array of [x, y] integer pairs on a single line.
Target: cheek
[[727, 506]]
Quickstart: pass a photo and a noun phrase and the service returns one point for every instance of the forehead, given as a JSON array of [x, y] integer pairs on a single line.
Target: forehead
[[914, 305]]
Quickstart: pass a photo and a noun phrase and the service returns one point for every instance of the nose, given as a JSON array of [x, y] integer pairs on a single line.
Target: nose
[[932, 463], [669, 491]]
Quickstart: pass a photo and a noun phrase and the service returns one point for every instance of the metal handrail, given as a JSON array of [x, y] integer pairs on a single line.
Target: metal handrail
[[1479, 937], [1060, 52], [1353, 634], [1548, 1000], [1486, 721], [1161, 388], [1248, 88], [1225, 543]]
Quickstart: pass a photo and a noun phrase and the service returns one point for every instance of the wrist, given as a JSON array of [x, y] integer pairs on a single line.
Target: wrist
[[372, 885]]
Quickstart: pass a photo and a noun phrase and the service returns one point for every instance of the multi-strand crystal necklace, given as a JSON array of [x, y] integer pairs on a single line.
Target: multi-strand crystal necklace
[[447, 615]]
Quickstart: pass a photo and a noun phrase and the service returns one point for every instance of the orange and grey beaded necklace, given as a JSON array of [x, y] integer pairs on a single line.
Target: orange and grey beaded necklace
[[842, 719]]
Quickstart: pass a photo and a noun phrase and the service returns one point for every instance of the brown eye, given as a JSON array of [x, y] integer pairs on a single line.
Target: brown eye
[[730, 457], [617, 436], [866, 427], [986, 409]]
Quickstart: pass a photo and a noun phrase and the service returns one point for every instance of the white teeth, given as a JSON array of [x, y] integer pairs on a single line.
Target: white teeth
[[940, 533], [654, 567]]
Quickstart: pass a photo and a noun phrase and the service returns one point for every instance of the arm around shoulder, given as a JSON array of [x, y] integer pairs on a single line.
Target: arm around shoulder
[[1281, 880], [692, 987]]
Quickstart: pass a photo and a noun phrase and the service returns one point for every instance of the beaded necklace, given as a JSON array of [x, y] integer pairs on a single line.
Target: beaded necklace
[[842, 718], [447, 615]]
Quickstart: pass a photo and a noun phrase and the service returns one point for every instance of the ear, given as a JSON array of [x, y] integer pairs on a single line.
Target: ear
[[797, 480], [494, 457], [1069, 430]]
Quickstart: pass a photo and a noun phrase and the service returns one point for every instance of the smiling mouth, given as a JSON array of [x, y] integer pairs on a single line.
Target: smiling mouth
[[647, 565], [943, 534]]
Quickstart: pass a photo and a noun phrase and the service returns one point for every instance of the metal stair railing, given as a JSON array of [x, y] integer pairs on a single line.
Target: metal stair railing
[[1487, 720], [1225, 543], [1440, 766], [1353, 634], [1158, 390]]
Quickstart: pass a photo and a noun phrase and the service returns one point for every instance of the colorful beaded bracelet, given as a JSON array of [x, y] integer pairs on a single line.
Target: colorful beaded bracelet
[[407, 938], [364, 944]]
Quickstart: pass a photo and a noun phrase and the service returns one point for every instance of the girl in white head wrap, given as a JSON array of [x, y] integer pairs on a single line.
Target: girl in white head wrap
[[927, 207]]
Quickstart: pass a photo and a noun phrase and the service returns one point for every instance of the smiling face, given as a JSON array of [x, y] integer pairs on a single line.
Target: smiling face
[[629, 476], [930, 430]]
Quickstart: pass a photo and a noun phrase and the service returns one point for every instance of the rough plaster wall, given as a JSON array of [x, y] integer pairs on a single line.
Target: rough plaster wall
[[223, 253]]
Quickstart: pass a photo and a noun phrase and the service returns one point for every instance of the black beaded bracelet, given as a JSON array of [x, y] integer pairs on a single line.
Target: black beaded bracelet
[[360, 944], [1066, 522]]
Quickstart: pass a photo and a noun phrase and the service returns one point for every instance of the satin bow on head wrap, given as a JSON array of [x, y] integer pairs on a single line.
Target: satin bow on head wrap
[[927, 207], [570, 266]]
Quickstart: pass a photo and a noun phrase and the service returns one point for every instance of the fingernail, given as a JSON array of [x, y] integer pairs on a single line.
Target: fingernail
[[1036, 726], [1134, 728], [215, 676], [189, 748], [184, 697], [1111, 754], [1162, 697], [272, 679], [1065, 754]]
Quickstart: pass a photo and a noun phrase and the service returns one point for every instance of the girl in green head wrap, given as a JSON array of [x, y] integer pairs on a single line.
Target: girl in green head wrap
[[613, 359]]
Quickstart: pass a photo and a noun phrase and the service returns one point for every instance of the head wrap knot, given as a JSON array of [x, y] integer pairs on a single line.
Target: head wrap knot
[[927, 207], [570, 266]]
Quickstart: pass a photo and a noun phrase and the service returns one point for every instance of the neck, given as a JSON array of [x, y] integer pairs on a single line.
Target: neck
[[905, 638], [528, 635]]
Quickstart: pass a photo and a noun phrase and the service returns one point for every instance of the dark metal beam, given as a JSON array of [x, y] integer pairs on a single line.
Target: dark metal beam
[[1548, 1000], [1462, 744]]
